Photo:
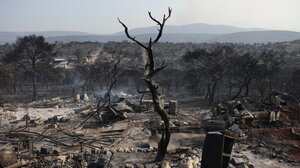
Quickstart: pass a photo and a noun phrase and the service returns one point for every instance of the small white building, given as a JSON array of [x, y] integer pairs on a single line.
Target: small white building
[[60, 63]]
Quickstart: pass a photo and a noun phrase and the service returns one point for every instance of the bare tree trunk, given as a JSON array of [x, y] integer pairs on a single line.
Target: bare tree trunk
[[212, 94], [34, 77], [21, 88], [230, 88], [113, 79], [213, 87], [261, 91], [238, 93], [15, 85], [165, 139], [153, 88], [34, 87], [208, 92], [270, 87], [247, 89]]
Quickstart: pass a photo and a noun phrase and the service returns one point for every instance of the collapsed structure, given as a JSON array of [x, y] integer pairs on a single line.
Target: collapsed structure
[[64, 132]]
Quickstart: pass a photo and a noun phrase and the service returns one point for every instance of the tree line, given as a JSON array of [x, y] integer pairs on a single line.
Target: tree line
[[215, 71]]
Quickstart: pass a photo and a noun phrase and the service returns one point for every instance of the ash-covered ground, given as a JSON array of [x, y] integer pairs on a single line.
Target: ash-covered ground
[[62, 132]]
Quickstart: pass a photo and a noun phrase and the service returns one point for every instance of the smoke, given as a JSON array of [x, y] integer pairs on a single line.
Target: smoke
[[271, 14], [77, 82]]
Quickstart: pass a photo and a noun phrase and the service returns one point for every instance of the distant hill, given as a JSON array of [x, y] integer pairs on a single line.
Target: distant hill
[[197, 28], [240, 37], [8, 37], [258, 37], [196, 33], [166, 37]]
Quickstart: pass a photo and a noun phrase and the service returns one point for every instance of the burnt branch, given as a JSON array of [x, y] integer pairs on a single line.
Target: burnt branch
[[142, 92], [161, 24], [130, 37], [163, 66]]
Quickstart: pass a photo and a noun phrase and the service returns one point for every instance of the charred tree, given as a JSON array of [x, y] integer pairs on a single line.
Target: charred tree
[[30, 53], [242, 70], [113, 76], [211, 64], [271, 64], [152, 86]]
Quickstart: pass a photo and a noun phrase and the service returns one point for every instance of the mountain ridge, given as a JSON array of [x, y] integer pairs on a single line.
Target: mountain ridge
[[192, 28], [196, 33], [239, 37]]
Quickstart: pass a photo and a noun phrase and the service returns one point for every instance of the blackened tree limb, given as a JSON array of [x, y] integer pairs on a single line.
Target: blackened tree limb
[[142, 92], [161, 24], [113, 79], [153, 88], [163, 66], [130, 37]]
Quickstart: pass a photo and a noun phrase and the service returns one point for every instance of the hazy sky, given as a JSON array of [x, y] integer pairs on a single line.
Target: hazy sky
[[100, 16]]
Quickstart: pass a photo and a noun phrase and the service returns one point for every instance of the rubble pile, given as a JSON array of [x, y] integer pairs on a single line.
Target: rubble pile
[[271, 132], [79, 133]]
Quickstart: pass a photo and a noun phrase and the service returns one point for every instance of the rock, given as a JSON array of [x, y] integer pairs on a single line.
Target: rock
[[139, 166], [194, 152], [182, 156], [186, 163], [237, 161], [126, 150], [149, 165], [151, 148], [240, 147], [85, 97], [108, 153], [128, 165], [84, 163], [120, 150], [4, 121], [156, 166], [185, 123], [7, 157], [166, 164]]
